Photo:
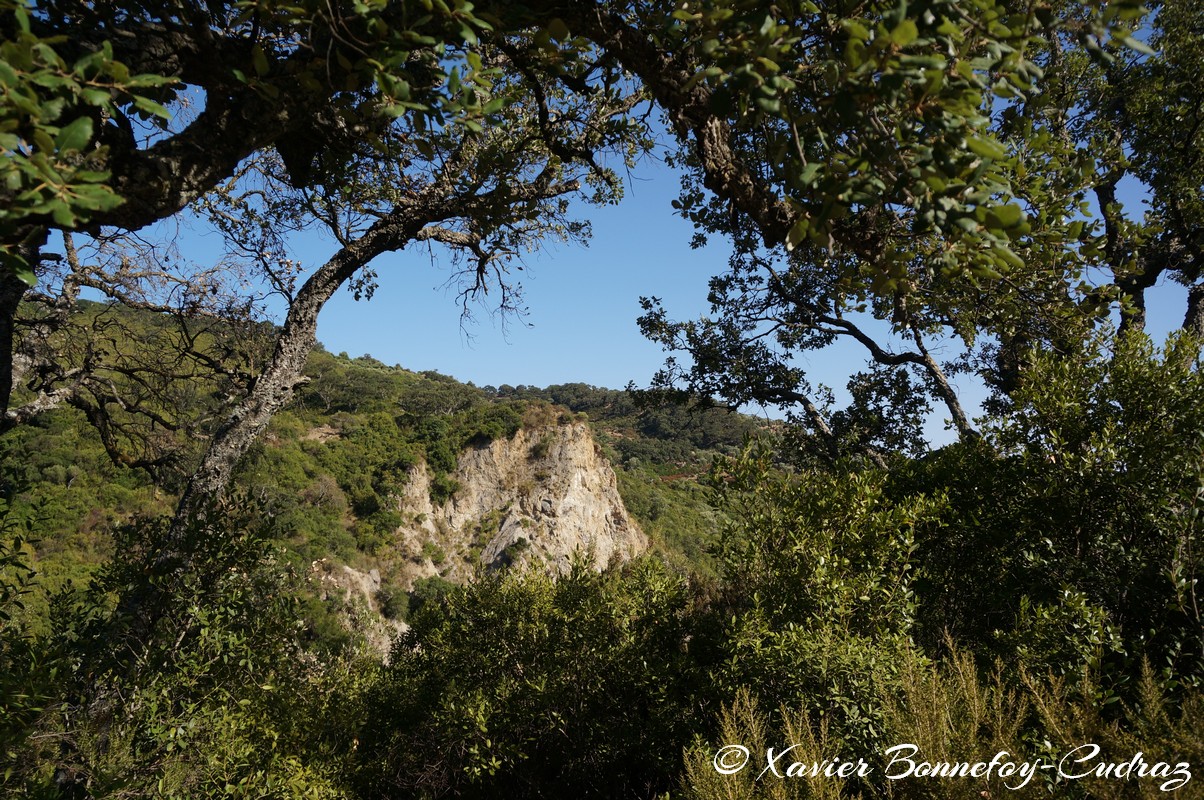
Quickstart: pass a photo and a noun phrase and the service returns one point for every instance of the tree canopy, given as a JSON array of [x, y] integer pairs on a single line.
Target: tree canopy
[[911, 159], [962, 272]]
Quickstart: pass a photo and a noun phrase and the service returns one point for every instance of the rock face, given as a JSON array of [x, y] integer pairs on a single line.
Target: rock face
[[357, 592], [541, 498]]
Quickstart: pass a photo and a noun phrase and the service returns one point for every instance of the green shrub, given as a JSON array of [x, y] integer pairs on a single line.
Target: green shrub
[[431, 550], [27, 667], [432, 591], [540, 449], [819, 570], [180, 674], [443, 488], [1070, 533], [524, 686], [393, 601], [483, 424]]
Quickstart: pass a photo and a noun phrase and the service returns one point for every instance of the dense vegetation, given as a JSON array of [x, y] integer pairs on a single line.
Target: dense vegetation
[[330, 465], [868, 600], [982, 188]]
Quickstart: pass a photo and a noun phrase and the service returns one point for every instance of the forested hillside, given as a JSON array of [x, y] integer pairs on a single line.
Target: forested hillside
[[333, 466]]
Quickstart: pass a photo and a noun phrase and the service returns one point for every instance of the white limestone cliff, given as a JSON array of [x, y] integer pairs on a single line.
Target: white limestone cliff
[[540, 498]]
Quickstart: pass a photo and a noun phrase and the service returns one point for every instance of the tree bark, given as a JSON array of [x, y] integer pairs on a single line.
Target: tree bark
[[1193, 321], [12, 290], [689, 110], [965, 430]]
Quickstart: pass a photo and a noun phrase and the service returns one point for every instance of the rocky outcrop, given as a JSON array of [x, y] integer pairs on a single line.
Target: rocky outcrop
[[355, 595], [543, 497]]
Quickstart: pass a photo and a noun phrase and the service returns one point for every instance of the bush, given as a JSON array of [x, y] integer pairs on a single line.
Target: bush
[[443, 488], [540, 449], [819, 570], [523, 686], [1069, 536], [436, 554], [393, 601], [483, 424], [180, 673], [431, 591], [27, 668]]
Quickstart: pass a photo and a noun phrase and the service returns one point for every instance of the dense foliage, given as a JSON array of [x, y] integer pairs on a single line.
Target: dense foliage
[[529, 686], [851, 608]]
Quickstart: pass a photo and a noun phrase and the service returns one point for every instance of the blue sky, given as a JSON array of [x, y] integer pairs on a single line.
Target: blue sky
[[582, 307], [582, 302]]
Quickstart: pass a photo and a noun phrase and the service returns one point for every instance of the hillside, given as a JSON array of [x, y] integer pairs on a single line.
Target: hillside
[[385, 483]]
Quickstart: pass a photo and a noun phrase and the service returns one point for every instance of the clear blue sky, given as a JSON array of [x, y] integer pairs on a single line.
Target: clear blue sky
[[582, 302]]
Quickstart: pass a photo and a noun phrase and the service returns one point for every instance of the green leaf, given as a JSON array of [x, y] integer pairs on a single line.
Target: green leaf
[[151, 107], [1007, 216], [1137, 45], [96, 198], [74, 137], [856, 30], [987, 148], [558, 30], [798, 233], [770, 105], [25, 274], [259, 60], [49, 80], [43, 141], [904, 33], [97, 97], [147, 79], [1006, 257], [807, 174], [62, 214], [985, 271]]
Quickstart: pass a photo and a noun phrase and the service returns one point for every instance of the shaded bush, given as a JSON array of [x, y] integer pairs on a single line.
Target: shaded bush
[[522, 686]]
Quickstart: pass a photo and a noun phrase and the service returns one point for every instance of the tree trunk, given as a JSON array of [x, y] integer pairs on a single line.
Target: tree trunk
[[274, 387], [270, 392], [1132, 318], [12, 290], [1193, 321]]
